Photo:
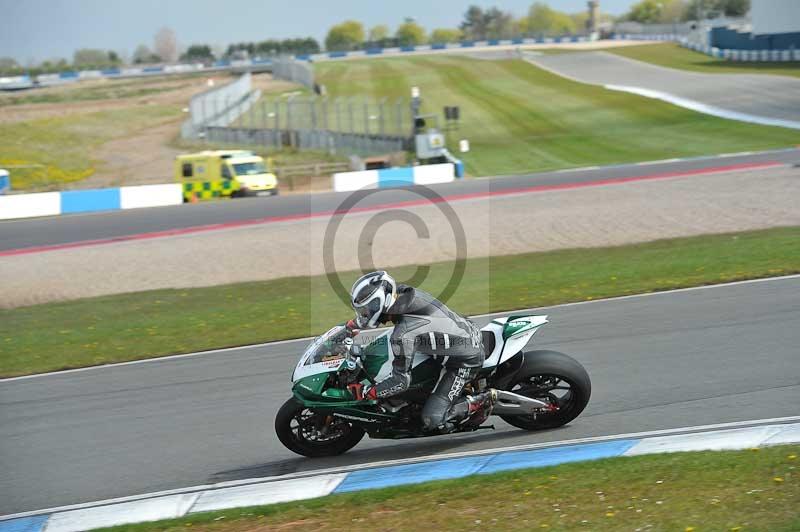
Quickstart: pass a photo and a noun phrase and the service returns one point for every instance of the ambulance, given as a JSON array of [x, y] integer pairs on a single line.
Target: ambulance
[[224, 173]]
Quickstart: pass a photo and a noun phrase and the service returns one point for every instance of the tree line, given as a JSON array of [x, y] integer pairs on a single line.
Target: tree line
[[480, 24], [477, 24], [164, 50], [670, 11]]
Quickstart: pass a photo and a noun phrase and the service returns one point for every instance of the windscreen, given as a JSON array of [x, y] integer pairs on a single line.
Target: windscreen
[[328, 347], [249, 168]]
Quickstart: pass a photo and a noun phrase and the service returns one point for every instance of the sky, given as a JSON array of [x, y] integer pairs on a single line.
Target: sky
[[34, 30]]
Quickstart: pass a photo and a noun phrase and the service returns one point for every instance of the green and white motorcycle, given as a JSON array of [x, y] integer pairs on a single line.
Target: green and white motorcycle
[[534, 389]]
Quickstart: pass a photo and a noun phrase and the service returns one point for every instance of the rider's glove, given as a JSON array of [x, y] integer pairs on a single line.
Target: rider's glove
[[371, 393], [352, 328], [361, 392]]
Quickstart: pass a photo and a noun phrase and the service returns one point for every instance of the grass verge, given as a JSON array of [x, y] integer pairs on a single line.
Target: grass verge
[[59, 149], [141, 325], [734, 490], [106, 89], [519, 118], [672, 55]]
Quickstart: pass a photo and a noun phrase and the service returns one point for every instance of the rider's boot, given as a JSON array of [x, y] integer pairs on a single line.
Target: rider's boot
[[473, 409], [480, 406]]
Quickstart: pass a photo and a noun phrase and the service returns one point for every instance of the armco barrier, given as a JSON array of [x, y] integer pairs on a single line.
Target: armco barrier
[[394, 177], [78, 201]]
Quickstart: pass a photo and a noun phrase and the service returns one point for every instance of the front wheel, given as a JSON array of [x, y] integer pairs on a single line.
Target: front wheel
[[307, 433], [555, 378]]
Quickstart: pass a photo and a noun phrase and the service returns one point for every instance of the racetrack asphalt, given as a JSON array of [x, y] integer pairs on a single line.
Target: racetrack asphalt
[[675, 359], [753, 94], [71, 229]]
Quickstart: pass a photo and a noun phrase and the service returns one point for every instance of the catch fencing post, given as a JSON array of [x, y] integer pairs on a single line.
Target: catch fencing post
[[315, 134], [276, 126], [289, 120], [226, 121], [338, 106], [366, 116], [204, 122], [399, 109], [352, 118], [380, 116]]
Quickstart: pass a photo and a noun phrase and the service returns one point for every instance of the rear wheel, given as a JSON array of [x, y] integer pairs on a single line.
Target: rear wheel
[[554, 378], [307, 433]]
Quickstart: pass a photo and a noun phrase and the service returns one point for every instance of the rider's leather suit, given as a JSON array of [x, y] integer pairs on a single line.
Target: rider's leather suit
[[425, 325]]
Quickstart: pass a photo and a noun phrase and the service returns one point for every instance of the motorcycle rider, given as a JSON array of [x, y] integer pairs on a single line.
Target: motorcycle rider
[[425, 325]]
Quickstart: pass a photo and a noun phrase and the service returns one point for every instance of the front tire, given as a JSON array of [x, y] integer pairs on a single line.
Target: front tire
[[306, 433], [553, 377]]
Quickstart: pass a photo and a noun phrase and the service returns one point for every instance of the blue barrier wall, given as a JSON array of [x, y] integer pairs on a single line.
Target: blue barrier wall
[[396, 177], [734, 40], [5, 184], [101, 199]]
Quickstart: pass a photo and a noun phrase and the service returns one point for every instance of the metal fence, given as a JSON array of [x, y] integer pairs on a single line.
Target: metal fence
[[220, 106], [343, 126], [290, 69]]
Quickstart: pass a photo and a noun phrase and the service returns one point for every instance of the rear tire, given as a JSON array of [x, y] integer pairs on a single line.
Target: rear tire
[[543, 374], [293, 422]]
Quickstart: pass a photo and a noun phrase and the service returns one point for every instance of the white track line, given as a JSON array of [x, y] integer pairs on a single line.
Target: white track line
[[700, 107], [403, 461], [492, 314], [678, 101]]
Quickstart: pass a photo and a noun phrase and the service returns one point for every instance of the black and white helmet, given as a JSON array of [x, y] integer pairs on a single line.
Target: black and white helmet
[[371, 295]]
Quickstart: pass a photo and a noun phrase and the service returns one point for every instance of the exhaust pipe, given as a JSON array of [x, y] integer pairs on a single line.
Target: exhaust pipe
[[509, 403]]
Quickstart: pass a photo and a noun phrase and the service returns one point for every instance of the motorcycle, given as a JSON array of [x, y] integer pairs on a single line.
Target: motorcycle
[[327, 414]]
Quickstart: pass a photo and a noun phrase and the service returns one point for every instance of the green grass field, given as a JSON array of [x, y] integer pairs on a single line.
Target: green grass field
[[520, 118], [150, 324], [672, 55], [752, 490]]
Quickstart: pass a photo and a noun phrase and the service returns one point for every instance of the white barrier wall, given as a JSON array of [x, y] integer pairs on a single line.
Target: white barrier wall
[[150, 196], [94, 200], [347, 181], [394, 177], [30, 205], [430, 174]]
